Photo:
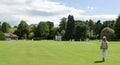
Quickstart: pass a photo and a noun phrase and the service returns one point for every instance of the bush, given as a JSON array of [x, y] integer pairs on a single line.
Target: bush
[[108, 32], [36, 38], [2, 36], [31, 35]]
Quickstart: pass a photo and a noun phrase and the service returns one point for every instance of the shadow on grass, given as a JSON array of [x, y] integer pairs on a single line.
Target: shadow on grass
[[100, 61]]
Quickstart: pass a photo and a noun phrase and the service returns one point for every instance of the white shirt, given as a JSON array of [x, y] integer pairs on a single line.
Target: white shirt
[[104, 45]]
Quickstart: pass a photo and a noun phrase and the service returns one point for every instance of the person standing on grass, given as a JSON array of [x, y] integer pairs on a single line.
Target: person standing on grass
[[104, 47]]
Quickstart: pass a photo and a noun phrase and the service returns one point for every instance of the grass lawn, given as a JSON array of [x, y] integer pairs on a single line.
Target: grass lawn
[[56, 53]]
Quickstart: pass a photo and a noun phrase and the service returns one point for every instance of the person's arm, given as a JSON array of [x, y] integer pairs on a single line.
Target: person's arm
[[101, 45], [106, 44]]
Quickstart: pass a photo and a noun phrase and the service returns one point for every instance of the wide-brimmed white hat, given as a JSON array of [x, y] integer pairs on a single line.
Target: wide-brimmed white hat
[[104, 37]]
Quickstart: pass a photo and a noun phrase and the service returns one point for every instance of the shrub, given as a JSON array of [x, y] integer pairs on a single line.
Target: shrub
[[108, 32], [2, 36]]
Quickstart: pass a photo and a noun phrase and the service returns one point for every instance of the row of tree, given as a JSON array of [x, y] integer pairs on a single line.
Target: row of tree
[[68, 28], [81, 30]]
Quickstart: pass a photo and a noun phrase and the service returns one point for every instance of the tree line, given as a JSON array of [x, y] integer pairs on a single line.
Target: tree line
[[68, 28]]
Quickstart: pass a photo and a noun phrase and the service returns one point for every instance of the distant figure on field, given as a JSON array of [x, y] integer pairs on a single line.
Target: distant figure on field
[[104, 47]]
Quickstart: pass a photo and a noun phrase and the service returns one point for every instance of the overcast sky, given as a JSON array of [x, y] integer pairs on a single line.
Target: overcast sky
[[34, 11]]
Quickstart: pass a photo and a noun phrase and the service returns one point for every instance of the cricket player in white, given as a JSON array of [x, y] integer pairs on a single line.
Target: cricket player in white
[[104, 47]]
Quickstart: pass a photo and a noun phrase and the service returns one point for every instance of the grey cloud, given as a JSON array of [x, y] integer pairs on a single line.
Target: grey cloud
[[9, 19], [41, 13]]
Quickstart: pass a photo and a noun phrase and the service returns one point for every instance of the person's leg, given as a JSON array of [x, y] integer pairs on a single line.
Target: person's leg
[[104, 54]]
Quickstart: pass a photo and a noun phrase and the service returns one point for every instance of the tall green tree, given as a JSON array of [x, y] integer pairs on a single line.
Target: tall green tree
[[98, 29], [80, 31], [50, 26], [117, 28], [69, 34], [15, 27], [91, 27], [33, 27], [23, 30], [62, 33], [0, 27], [5, 27], [110, 24], [18, 33], [43, 30], [63, 24], [54, 32]]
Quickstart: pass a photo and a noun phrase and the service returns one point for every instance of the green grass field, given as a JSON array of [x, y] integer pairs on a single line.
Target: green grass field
[[56, 53]]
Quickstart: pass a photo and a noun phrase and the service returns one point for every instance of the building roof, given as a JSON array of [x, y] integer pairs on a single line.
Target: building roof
[[10, 35]]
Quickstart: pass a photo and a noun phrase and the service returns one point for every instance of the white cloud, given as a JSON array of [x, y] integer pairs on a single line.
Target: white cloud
[[91, 7], [97, 17], [34, 11]]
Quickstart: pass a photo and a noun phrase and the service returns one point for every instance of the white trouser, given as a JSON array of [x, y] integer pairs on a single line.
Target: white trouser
[[104, 52]]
